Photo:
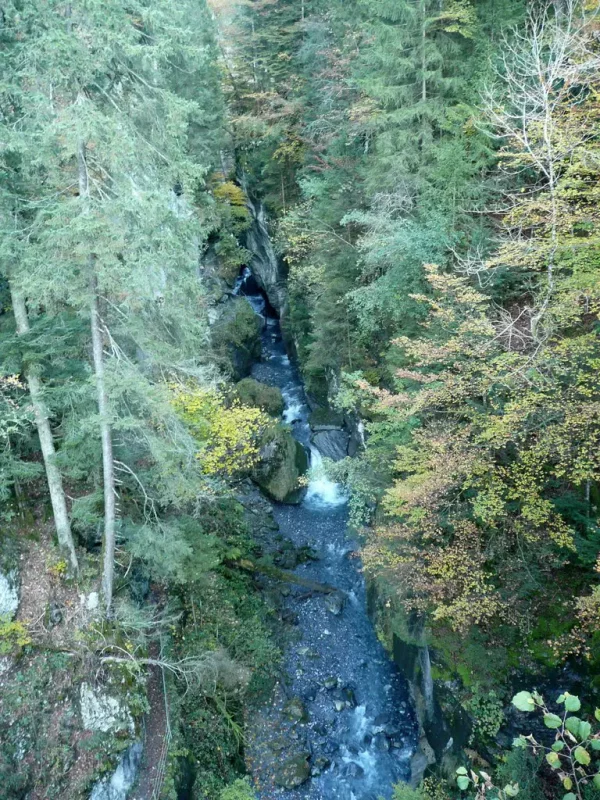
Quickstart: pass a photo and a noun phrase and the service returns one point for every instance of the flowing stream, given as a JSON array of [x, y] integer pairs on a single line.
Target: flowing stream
[[360, 732]]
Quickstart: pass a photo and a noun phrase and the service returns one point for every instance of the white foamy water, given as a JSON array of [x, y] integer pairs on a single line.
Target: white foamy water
[[322, 492]]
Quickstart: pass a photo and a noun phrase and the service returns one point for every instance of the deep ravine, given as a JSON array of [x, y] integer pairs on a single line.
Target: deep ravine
[[359, 732]]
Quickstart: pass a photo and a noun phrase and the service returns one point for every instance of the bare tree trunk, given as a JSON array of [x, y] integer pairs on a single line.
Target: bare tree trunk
[[108, 467], [53, 476]]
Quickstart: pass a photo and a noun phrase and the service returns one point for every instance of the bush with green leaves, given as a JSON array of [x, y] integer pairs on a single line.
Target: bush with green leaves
[[574, 755], [240, 790]]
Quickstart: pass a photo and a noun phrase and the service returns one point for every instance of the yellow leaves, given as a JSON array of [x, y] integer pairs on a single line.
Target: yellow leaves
[[228, 434], [231, 193]]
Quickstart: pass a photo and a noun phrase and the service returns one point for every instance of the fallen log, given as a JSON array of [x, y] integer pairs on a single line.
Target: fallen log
[[284, 575]]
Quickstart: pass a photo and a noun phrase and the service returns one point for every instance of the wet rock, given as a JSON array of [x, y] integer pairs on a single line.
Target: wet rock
[[348, 697], [320, 729], [334, 603], [422, 758], [332, 443], [353, 770], [380, 742], [295, 711], [282, 460], [339, 705], [330, 746], [330, 683], [293, 772], [320, 764]]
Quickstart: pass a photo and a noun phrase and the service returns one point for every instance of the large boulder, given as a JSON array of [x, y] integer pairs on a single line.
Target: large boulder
[[282, 461], [329, 434], [331, 443], [236, 335], [293, 772], [253, 393], [102, 712]]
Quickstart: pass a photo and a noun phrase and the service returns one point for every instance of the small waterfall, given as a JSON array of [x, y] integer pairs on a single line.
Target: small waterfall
[[427, 681], [322, 491], [359, 729]]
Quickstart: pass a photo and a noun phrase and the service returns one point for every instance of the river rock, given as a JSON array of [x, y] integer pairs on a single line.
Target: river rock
[[339, 705], [293, 772], [320, 764], [295, 711], [381, 742], [353, 770], [282, 461], [279, 744], [9, 593], [331, 683], [348, 697], [422, 758], [117, 787], [334, 603]]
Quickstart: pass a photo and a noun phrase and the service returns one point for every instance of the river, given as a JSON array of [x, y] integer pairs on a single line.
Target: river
[[359, 732]]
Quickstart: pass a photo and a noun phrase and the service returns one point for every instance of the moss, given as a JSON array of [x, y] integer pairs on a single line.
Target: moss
[[326, 416], [253, 393], [283, 462], [39, 716], [236, 338]]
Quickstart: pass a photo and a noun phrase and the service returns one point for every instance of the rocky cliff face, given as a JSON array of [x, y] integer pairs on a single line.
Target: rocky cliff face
[[266, 267]]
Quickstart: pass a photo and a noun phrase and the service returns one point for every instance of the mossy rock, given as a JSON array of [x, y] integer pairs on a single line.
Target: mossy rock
[[326, 418], [283, 461], [293, 772], [236, 337], [253, 393]]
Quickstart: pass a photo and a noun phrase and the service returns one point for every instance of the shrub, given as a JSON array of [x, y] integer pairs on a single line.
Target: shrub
[[240, 790]]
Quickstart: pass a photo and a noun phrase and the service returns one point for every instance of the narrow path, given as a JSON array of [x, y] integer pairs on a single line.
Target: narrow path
[[156, 737]]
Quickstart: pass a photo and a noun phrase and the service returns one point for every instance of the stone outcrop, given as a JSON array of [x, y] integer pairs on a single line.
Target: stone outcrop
[[9, 593], [102, 712], [283, 461], [119, 784], [266, 267]]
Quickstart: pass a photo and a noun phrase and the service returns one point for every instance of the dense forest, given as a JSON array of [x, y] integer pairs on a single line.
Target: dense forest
[[299, 399]]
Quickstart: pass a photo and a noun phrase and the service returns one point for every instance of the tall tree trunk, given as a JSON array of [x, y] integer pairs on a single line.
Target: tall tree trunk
[[53, 476], [108, 467]]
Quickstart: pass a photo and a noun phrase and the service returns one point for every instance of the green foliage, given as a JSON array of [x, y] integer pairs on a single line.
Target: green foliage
[[486, 709], [13, 636], [236, 338], [39, 713], [573, 756], [240, 790]]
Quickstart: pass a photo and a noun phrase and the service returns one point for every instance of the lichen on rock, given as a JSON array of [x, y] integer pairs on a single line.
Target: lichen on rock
[[102, 712]]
